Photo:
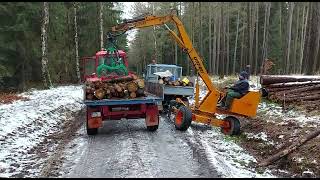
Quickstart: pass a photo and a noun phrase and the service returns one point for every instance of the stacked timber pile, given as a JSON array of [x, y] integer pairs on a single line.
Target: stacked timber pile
[[299, 90], [166, 81], [120, 88]]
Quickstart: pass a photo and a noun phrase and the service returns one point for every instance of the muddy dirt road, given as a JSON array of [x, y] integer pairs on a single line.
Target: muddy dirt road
[[126, 149]]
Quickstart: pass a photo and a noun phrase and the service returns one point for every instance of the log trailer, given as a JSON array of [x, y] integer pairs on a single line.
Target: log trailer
[[111, 64], [205, 110]]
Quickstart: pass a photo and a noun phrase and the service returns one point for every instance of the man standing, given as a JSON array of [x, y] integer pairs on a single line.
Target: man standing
[[239, 89]]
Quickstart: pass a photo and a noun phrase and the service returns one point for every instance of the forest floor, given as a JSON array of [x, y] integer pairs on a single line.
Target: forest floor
[[274, 129]]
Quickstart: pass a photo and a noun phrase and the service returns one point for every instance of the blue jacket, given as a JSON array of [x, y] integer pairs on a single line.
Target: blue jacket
[[241, 86]]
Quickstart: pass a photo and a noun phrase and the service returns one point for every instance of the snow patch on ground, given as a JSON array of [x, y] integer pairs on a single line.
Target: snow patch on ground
[[229, 159], [24, 124], [274, 111]]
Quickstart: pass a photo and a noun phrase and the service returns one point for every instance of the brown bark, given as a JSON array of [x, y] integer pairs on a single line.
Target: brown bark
[[292, 84], [272, 79], [290, 149]]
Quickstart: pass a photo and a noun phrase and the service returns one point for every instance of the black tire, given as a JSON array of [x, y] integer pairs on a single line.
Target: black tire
[[183, 118], [234, 126], [92, 131], [155, 127], [152, 128]]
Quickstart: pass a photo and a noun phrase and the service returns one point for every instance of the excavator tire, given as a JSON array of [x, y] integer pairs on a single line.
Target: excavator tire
[[183, 118], [234, 128]]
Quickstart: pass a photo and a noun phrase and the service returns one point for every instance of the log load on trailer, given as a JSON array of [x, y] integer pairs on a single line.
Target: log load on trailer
[[111, 92]]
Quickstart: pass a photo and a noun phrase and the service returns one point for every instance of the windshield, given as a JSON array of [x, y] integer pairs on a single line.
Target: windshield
[[176, 71]]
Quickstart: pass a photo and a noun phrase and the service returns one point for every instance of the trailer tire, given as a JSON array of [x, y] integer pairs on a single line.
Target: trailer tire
[[155, 127], [152, 128], [183, 118], [92, 131]]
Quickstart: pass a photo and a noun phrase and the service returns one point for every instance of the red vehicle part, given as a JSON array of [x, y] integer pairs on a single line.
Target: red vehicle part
[[115, 112]]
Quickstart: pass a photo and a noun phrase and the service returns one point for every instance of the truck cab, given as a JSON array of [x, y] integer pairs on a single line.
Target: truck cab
[[167, 92], [154, 68]]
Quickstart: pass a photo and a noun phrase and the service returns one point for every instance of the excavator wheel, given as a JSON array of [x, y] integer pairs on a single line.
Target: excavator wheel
[[183, 118], [234, 126]]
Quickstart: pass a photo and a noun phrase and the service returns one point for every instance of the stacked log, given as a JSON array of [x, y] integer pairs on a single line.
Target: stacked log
[[299, 90], [121, 88], [166, 81]]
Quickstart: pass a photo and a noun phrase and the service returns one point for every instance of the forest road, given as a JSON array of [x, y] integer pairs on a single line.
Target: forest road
[[126, 149]]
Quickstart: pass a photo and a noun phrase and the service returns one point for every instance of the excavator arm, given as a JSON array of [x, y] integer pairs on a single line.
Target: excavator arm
[[209, 102]]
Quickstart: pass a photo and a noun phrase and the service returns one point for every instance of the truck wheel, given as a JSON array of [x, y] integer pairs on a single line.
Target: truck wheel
[[92, 131], [234, 126], [183, 118]]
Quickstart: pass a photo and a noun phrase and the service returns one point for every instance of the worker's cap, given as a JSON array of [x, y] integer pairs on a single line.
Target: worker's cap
[[244, 74]]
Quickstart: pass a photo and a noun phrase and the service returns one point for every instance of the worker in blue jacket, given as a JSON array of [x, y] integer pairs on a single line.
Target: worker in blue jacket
[[239, 89]]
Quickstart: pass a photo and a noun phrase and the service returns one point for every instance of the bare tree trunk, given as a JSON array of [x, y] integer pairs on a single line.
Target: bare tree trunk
[[76, 41], [210, 38], [303, 37], [228, 41], [235, 46], [280, 33], [223, 45], [289, 36], [294, 60], [175, 44], [214, 54], [316, 49], [101, 23], [251, 32], [218, 43], [155, 38], [44, 39], [201, 31], [257, 39], [242, 47], [265, 31]]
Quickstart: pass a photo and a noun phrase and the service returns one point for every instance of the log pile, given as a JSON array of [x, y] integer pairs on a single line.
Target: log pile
[[121, 88], [166, 81], [299, 90]]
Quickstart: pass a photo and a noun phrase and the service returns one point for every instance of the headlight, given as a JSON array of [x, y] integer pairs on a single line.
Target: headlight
[[96, 114]]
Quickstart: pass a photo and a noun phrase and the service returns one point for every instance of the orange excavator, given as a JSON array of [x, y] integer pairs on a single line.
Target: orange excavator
[[204, 110]]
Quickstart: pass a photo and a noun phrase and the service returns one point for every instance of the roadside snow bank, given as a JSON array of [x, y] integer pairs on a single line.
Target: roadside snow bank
[[24, 124]]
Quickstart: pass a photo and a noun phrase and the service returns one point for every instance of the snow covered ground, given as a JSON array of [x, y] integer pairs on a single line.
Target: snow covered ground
[[25, 124]]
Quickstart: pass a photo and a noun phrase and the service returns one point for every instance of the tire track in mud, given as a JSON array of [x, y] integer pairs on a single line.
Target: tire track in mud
[[52, 164], [126, 148], [199, 151]]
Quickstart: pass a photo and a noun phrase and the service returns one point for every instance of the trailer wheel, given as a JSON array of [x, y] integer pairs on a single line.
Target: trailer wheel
[[153, 128], [92, 131], [183, 118], [234, 126]]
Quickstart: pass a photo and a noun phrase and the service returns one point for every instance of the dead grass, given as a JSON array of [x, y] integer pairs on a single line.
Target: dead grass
[[6, 98]]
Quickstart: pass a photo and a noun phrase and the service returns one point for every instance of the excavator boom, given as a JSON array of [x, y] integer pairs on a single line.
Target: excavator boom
[[209, 102]]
